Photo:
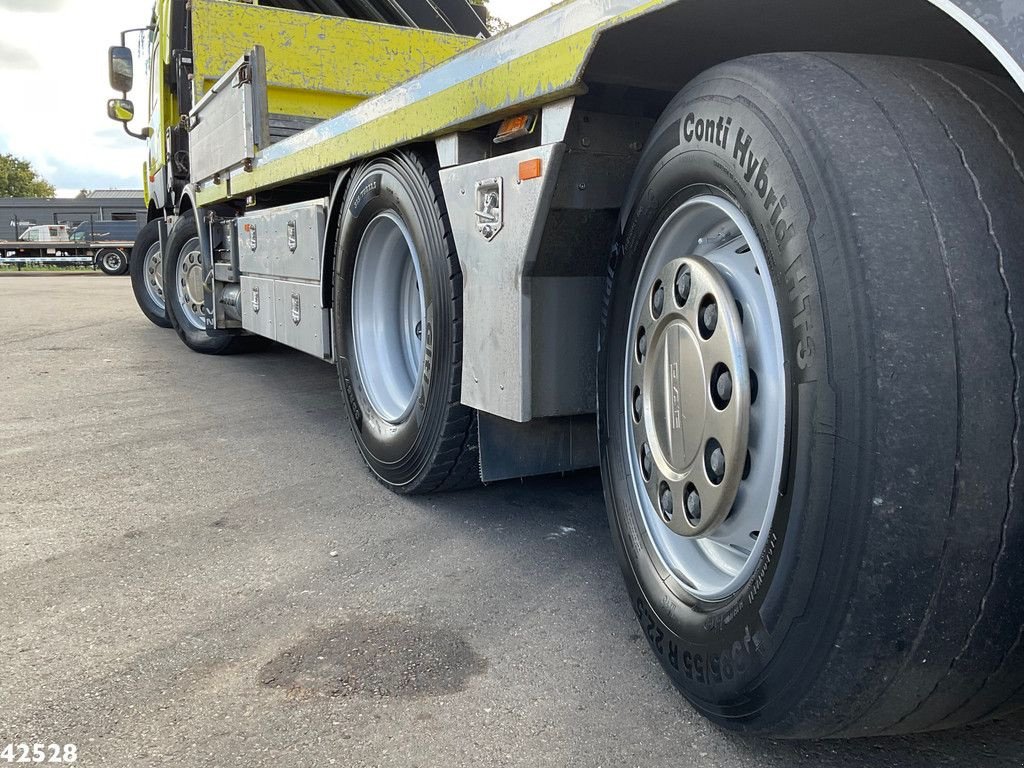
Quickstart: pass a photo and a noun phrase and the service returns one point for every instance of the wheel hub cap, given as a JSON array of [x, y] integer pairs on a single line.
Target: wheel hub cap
[[697, 437], [191, 287], [705, 399]]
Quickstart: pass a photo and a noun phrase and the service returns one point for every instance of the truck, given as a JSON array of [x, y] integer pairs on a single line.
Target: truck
[[761, 264], [103, 245]]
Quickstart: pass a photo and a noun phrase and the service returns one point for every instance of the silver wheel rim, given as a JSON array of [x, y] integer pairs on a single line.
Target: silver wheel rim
[[154, 278], [674, 441], [190, 293], [388, 317], [113, 260]]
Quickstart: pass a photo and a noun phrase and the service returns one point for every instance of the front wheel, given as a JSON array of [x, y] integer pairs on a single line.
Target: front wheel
[[147, 272], [811, 395]]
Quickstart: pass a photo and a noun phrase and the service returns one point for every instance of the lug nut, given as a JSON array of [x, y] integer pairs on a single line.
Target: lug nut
[[419, 329], [638, 404], [646, 461], [693, 505], [658, 300], [708, 318], [714, 461], [724, 386], [721, 386], [683, 282], [665, 499], [641, 344]]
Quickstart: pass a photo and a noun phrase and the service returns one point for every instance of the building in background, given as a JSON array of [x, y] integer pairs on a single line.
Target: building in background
[[19, 213]]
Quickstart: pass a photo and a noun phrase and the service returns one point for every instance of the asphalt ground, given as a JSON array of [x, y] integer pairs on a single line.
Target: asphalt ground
[[197, 570]]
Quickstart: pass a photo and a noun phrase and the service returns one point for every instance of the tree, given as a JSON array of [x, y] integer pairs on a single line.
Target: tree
[[19, 179], [494, 24]]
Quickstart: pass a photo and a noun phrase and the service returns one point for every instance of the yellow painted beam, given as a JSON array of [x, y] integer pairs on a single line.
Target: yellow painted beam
[[510, 86], [317, 66]]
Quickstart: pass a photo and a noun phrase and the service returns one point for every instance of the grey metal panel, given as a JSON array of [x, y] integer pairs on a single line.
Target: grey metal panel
[[230, 123], [563, 344], [496, 369], [283, 242], [302, 322], [259, 306], [509, 450]]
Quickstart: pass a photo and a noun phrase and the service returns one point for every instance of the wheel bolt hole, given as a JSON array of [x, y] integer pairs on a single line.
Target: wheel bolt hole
[[665, 502], [658, 300], [641, 345], [638, 404], [746, 466], [739, 310], [692, 505], [714, 461], [708, 317], [684, 280], [721, 386], [753, 387], [646, 461]]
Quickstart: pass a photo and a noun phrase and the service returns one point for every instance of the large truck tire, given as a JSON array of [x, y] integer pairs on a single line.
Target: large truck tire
[[112, 261], [183, 293], [146, 268], [810, 413], [398, 328]]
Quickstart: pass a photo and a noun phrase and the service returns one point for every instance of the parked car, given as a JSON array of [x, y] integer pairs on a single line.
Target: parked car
[[45, 233]]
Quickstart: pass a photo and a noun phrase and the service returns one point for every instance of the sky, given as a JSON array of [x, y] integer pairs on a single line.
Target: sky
[[54, 90]]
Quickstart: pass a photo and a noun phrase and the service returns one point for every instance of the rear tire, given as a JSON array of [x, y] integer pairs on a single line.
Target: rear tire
[[112, 261], [146, 267], [182, 268], [398, 326], [886, 587]]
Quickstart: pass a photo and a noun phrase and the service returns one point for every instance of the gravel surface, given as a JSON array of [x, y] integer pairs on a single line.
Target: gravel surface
[[197, 570]]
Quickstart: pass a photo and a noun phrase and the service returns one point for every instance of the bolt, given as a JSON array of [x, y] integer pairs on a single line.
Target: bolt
[[641, 345], [419, 329], [665, 498], [710, 318], [683, 282], [658, 302], [724, 387], [693, 505], [646, 461], [638, 404], [717, 463]]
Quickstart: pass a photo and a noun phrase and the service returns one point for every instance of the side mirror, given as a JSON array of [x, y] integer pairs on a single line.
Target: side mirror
[[121, 68], [121, 110]]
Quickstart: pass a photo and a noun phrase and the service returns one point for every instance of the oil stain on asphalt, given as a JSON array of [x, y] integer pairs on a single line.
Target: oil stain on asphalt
[[375, 657]]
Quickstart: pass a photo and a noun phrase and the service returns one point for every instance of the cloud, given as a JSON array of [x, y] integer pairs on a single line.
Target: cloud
[[33, 6], [13, 57]]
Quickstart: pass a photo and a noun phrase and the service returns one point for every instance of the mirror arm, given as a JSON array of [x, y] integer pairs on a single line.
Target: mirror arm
[[150, 28], [146, 132]]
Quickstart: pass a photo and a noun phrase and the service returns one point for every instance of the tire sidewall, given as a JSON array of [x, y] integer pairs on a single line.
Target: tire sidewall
[[148, 236], [730, 658], [396, 451]]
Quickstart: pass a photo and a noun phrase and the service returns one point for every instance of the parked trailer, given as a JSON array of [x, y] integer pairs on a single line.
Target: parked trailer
[[762, 265], [111, 257]]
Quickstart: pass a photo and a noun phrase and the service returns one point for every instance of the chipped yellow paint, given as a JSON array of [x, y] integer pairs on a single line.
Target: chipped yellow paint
[[538, 77], [317, 66]]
